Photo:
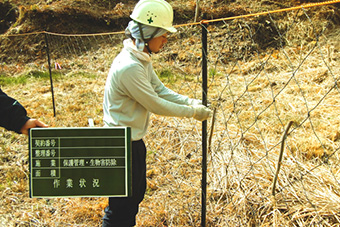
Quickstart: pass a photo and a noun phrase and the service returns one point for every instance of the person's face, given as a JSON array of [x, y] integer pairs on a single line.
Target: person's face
[[156, 44]]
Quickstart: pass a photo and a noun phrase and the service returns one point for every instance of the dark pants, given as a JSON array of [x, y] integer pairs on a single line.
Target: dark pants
[[122, 211]]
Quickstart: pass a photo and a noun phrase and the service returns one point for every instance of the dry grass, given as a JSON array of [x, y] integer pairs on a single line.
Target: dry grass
[[245, 146]]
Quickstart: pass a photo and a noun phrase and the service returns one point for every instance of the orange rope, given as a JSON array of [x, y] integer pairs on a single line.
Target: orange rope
[[196, 23], [93, 34], [262, 13], [60, 34]]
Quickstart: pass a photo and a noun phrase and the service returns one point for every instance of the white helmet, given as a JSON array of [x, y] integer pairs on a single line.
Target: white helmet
[[156, 13]]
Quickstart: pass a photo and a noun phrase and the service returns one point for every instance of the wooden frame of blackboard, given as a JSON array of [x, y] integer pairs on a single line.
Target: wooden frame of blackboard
[[101, 154]]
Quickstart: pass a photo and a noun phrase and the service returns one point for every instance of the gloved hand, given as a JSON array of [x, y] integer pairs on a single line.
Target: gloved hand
[[201, 113], [195, 102]]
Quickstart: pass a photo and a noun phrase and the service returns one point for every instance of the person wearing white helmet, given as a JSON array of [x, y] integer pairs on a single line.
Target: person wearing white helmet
[[133, 91]]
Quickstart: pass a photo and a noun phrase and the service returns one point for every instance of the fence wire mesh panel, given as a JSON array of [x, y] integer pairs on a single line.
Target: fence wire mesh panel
[[18, 53], [265, 72], [87, 59]]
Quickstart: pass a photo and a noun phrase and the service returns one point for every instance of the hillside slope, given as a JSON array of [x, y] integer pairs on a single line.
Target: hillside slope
[[90, 16]]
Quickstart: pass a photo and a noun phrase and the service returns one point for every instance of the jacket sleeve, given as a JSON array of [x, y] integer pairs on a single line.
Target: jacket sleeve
[[12, 114], [167, 93], [138, 87]]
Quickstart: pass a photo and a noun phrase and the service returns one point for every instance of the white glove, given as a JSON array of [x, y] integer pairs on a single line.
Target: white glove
[[201, 113], [195, 102]]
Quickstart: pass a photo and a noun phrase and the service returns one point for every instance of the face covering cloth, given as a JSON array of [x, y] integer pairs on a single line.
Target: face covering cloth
[[133, 31]]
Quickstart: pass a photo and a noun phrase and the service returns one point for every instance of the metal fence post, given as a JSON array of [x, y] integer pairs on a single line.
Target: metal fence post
[[204, 124], [50, 72]]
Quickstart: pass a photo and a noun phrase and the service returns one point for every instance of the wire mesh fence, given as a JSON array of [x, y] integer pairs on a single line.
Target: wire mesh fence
[[263, 72], [281, 69]]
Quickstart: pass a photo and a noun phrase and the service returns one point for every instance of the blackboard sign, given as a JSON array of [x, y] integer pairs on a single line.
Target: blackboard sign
[[80, 162]]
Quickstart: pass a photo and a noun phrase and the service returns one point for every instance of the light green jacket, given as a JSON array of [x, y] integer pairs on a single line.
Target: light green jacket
[[133, 91]]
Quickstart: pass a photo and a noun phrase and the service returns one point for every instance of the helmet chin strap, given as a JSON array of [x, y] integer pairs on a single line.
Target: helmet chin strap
[[148, 48], [146, 41]]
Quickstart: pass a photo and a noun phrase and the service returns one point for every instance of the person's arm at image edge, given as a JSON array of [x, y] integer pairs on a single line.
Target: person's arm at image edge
[[13, 116]]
